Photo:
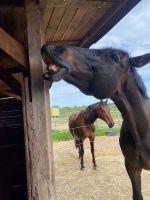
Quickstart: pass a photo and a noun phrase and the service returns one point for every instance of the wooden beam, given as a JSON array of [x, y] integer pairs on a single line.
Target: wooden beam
[[3, 86], [10, 94], [12, 2], [66, 42], [39, 150], [78, 3], [103, 26], [13, 48], [11, 82], [9, 70]]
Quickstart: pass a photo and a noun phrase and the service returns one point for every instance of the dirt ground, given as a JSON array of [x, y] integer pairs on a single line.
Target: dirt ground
[[109, 182]]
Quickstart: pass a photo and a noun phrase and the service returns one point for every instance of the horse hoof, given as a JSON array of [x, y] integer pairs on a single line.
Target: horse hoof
[[82, 168], [94, 167]]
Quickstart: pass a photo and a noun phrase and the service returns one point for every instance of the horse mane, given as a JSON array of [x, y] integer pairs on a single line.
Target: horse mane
[[139, 82], [137, 78], [92, 106], [109, 50]]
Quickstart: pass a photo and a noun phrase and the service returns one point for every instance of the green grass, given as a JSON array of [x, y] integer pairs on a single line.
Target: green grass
[[102, 132], [61, 135], [65, 135]]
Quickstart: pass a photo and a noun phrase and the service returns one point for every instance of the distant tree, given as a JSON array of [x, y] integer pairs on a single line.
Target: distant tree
[[56, 106]]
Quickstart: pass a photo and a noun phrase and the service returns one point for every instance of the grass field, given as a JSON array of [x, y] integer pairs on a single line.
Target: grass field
[[60, 130], [65, 135]]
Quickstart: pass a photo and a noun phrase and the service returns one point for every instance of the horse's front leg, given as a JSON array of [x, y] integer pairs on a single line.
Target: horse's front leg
[[82, 154], [135, 177], [93, 154]]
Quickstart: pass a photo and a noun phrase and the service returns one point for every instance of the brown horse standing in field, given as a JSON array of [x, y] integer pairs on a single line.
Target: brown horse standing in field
[[81, 126], [110, 73]]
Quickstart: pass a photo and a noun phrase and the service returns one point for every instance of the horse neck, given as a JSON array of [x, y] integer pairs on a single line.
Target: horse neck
[[130, 102], [90, 116]]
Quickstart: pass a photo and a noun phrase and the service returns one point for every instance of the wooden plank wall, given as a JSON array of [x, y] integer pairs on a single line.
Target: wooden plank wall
[[12, 153], [11, 113]]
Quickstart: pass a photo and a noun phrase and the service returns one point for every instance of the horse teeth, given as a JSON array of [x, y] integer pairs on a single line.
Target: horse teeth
[[53, 68]]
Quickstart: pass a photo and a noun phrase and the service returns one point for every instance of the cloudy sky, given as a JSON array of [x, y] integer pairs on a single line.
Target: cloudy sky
[[132, 34]]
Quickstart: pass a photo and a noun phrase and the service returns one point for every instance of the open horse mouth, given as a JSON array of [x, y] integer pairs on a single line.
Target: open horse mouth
[[51, 67], [56, 68]]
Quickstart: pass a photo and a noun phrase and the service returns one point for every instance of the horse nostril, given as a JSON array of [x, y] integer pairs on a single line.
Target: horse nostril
[[111, 125]]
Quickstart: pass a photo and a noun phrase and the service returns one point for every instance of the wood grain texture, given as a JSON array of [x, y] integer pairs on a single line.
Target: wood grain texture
[[10, 94], [47, 17], [54, 22], [77, 3], [75, 22], [3, 86], [39, 150], [110, 18], [81, 30], [9, 45], [12, 83], [91, 20], [65, 21]]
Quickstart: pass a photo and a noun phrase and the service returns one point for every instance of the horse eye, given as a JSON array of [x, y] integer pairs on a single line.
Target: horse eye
[[60, 50]]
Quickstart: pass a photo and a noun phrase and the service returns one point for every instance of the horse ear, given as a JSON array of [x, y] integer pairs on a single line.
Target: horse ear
[[106, 101], [140, 61], [101, 101]]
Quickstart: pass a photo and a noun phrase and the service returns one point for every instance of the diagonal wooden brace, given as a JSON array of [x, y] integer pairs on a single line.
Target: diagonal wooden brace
[[13, 48]]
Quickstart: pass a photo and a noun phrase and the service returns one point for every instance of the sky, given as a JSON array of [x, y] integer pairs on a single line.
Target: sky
[[131, 34]]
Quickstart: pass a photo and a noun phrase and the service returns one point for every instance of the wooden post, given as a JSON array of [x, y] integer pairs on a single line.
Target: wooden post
[[39, 151]]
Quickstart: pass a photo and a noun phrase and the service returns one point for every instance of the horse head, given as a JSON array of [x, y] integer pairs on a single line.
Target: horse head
[[103, 112], [97, 72]]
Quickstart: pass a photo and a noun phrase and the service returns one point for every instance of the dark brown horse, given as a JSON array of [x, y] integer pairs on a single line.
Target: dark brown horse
[[81, 126], [111, 73]]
